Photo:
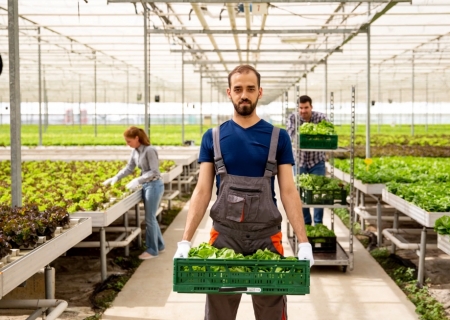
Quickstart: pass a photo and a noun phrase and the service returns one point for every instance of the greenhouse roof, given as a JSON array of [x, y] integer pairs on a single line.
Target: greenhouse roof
[[90, 44]]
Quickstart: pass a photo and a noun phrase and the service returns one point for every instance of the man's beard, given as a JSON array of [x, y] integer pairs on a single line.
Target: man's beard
[[245, 110]]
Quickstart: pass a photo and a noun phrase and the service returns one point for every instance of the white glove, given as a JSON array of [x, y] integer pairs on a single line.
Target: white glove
[[305, 253], [183, 249], [110, 181], [133, 184]]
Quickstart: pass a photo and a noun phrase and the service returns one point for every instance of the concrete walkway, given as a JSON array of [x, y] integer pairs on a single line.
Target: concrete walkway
[[365, 293]]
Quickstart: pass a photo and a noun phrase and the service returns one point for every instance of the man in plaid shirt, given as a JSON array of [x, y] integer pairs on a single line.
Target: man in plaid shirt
[[312, 162]]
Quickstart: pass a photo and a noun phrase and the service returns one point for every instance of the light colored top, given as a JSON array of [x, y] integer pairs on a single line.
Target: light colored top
[[146, 158]]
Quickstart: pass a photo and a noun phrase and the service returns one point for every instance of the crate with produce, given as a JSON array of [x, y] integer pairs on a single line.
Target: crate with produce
[[321, 238], [222, 271], [318, 136], [316, 189]]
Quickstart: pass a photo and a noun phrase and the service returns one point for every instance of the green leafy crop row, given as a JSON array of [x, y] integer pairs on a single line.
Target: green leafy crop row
[[21, 227], [76, 185], [399, 169]]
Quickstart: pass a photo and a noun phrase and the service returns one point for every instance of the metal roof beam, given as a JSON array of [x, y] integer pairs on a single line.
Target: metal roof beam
[[262, 50], [262, 71], [259, 62], [265, 31]]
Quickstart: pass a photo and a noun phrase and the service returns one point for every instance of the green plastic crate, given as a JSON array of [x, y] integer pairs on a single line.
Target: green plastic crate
[[330, 197], [211, 280], [318, 141]]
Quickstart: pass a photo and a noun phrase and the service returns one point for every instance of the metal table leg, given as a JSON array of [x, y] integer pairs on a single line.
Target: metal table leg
[[393, 247], [125, 224], [423, 246], [103, 253], [379, 223], [138, 224], [49, 292]]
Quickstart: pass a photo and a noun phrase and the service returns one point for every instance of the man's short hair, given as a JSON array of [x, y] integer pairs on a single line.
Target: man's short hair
[[244, 68], [304, 99]]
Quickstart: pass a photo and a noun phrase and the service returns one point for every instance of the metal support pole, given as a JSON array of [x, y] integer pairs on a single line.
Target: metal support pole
[[412, 96], [125, 224], [128, 96], [283, 122], [352, 175], [423, 247], [149, 79], [218, 118], [95, 93], [49, 292], [368, 91], [39, 86], [14, 100], [138, 224], [79, 100], [210, 103], [379, 99], [103, 253], [146, 124], [201, 102], [379, 223], [306, 80], [395, 226], [182, 95], [325, 92], [426, 103]]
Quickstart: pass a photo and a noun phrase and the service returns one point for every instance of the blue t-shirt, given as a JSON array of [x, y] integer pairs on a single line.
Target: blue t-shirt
[[245, 151]]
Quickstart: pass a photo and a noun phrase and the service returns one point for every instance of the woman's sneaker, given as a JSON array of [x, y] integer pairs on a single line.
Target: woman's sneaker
[[146, 256]]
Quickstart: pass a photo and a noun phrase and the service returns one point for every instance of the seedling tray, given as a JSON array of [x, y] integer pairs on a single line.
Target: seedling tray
[[329, 197], [323, 244], [215, 276], [318, 141]]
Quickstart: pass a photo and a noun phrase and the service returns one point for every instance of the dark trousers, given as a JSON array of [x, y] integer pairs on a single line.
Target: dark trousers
[[318, 169]]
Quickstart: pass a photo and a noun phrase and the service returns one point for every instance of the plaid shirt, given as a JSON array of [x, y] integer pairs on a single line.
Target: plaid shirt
[[308, 159]]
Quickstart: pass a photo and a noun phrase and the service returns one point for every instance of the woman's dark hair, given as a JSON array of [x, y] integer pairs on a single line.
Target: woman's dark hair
[[304, 99], [244, 68], [133, 132]]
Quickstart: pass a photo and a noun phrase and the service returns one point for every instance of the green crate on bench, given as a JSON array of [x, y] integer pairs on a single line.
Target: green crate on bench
[[330, 197], [323, 244], [216, 276], [318, 141]]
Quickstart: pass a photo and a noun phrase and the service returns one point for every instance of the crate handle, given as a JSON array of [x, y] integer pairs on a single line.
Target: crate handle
[[239, 289]]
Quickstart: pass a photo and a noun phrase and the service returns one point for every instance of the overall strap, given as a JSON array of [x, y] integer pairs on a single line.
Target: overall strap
[[219, 165], [271, 165]]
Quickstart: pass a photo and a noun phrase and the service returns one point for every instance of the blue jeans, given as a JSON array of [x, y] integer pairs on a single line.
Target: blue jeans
[[318, 169], [152, 193]]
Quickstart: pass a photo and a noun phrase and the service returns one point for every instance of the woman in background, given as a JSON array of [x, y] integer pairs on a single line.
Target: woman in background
[[146, 158]]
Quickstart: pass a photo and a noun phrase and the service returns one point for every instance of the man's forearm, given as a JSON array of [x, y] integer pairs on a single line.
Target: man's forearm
[[199, 204], [293, 207]]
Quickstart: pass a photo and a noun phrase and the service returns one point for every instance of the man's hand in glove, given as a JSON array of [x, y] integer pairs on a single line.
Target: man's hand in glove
[[183, 249], [133, 184], [305, 253], [110, 181]]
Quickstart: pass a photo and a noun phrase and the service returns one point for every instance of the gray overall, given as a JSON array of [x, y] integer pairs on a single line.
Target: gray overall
[[245, 220]]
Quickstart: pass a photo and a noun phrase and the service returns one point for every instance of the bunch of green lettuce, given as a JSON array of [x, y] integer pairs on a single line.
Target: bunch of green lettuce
[[315, 182], [323, 127], [442, 225], [319, 230], [206, 251]]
